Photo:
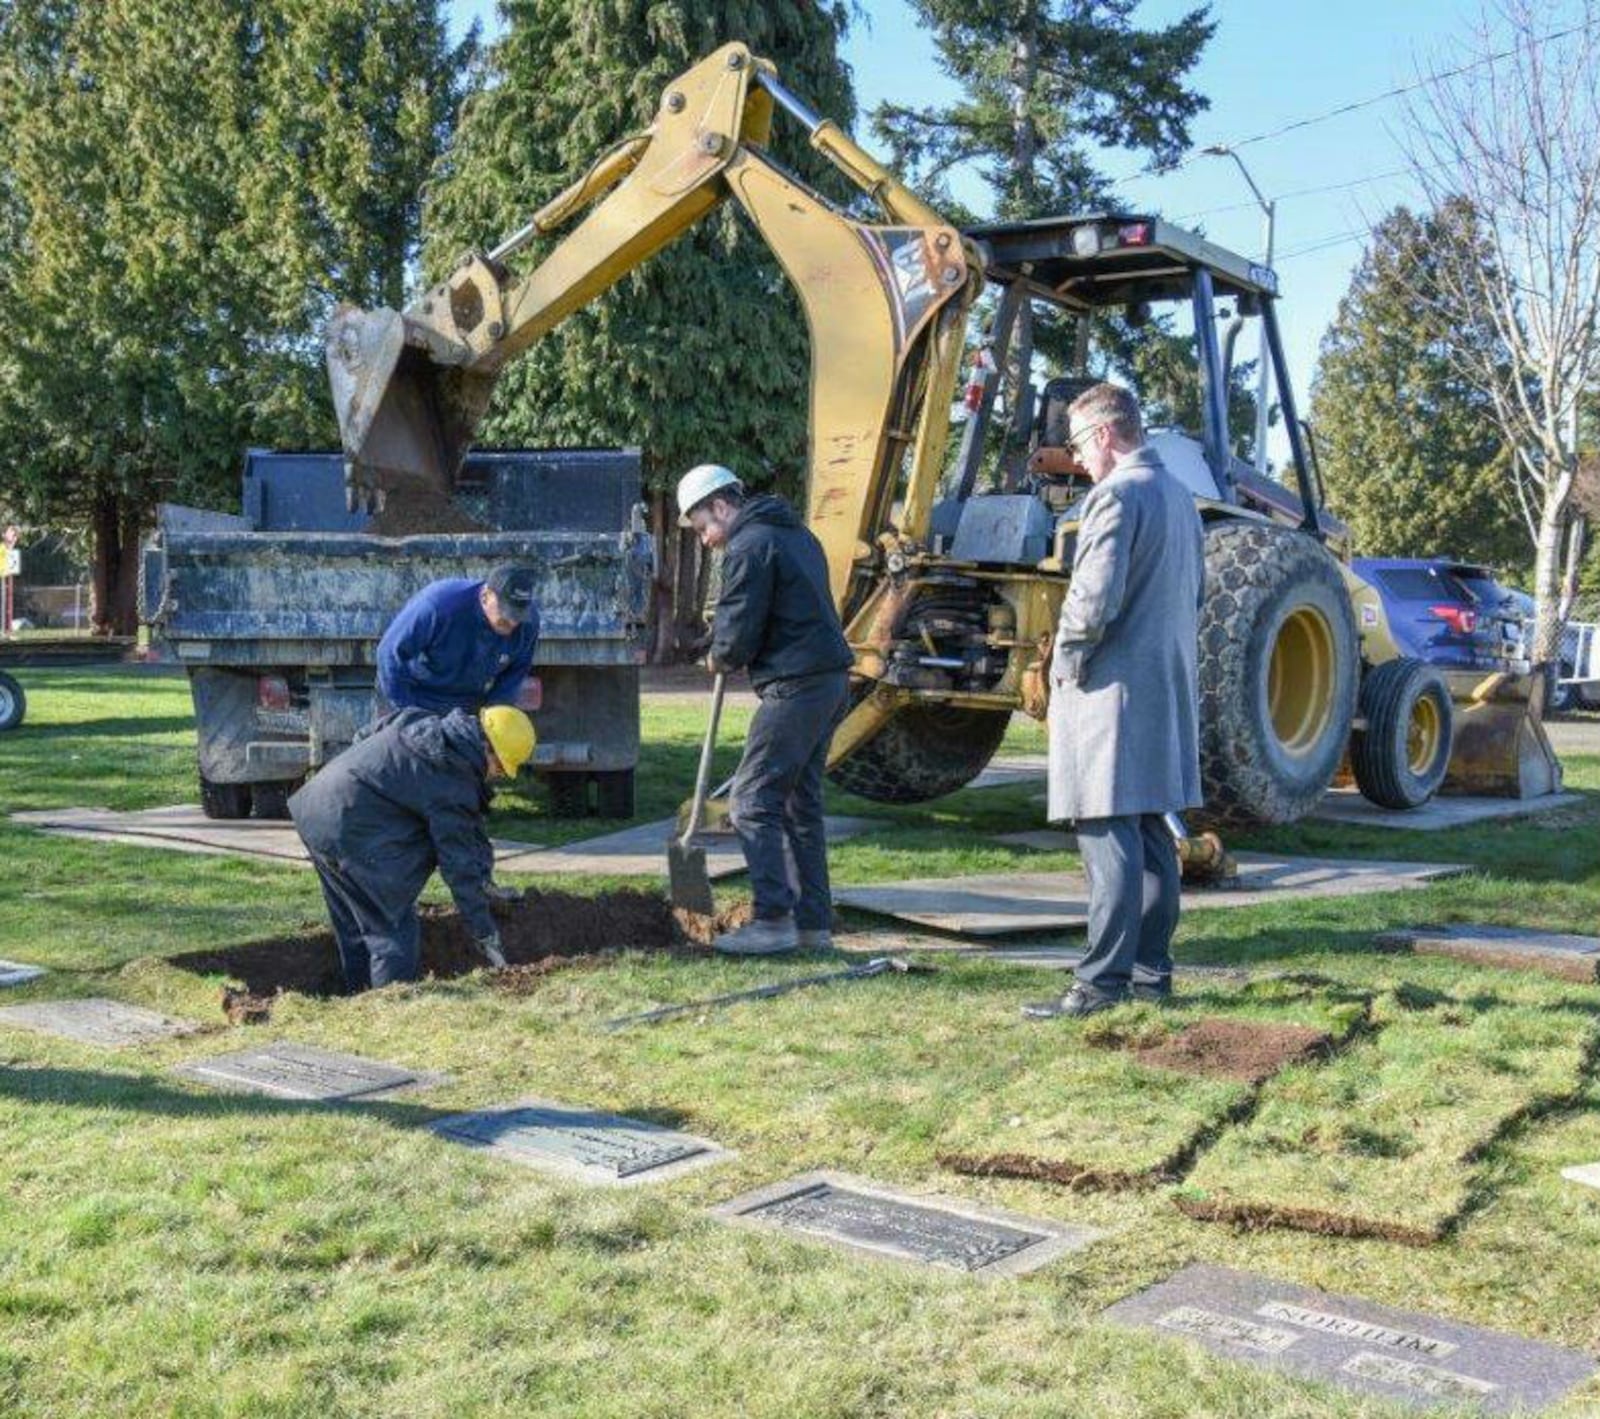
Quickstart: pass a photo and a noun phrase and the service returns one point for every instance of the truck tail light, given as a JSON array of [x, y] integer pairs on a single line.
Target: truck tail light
[[531, 696], [1461, 619], [1134, 234], [272, 693]]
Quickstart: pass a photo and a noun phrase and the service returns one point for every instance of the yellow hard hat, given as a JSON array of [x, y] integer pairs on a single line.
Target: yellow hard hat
[[510, 735]]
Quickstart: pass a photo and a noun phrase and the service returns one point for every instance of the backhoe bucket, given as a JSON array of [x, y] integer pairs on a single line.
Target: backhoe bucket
[[1501, 748], [406, 422]]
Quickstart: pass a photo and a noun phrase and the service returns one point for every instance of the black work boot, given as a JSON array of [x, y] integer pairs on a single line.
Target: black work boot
[[1081, 1000], [1152, 991]]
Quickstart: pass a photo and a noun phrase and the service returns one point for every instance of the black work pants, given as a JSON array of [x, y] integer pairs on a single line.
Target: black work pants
[[777, 796], [1134, 879], [376, 945]]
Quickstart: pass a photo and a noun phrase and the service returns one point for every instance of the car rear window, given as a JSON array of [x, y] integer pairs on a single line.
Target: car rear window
[[1422, 584], [1485, 590]]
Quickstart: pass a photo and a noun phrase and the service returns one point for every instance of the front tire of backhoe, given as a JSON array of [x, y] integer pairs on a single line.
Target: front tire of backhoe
[[1401, 757], [924, 752], [1278, 673]]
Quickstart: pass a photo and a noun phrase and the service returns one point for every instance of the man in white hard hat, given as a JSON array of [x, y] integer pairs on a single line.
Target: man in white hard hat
[[775, 618]]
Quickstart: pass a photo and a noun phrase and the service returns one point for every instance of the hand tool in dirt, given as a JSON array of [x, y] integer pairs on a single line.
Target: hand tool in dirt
[[489, 948], [877, 966], [686, 863]]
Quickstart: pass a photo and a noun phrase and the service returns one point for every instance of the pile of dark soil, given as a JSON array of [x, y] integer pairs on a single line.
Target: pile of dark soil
[[544, 932], [1258, 1216], [418, 514], [1246, 1050]]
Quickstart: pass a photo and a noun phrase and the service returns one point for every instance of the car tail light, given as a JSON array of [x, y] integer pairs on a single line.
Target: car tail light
[[531, 696], [1461, 619], [272, 693]]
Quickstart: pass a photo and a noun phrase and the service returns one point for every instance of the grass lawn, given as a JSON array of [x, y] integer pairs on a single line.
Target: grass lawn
[[170, 1251]]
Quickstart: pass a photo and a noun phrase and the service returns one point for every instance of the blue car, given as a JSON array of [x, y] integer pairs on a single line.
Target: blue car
[[1446, 612]]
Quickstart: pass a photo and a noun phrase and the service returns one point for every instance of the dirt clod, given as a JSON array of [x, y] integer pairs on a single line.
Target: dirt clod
[[419, 514], [1246, 1050]]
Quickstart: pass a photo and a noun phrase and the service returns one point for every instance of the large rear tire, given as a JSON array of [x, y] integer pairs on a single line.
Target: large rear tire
[[1278, 673], [270, 799], [225, 801], [13, 703], [1402, 755], [925, 751]]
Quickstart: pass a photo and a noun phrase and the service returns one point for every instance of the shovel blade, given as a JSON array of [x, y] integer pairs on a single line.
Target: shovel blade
[[691, 883]]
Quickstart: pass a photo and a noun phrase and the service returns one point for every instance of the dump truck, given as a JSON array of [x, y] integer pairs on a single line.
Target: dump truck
[[276, 613], [948, 572]]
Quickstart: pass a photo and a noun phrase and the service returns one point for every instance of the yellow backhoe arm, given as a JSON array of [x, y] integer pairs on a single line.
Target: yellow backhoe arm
[[886, 305]]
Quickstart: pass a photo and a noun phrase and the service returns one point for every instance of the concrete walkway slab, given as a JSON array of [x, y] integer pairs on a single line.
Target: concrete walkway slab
[[994, 904], [1014, 768], [184, 828], [1346, 805]]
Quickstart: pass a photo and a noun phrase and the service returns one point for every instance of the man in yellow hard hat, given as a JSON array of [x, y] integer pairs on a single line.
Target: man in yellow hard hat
[[407, 797]]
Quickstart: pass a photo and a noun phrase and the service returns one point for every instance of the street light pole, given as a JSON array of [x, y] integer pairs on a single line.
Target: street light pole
[[1269, 211]]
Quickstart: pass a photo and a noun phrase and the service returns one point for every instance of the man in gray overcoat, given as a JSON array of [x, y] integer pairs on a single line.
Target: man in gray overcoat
[[1124, 702]]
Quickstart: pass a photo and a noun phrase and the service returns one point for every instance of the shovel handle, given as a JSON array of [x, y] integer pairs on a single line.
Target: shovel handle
[[703, 778]]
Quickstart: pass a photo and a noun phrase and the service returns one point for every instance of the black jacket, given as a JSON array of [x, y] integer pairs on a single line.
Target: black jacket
[[408, 796], [775, 615]]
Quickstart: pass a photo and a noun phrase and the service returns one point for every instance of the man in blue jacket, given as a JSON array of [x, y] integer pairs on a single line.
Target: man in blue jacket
[[461, 644], [408, 796], [775, 618]]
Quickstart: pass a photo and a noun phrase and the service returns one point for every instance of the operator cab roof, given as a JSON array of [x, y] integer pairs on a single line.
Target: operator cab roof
[[1114, 259]]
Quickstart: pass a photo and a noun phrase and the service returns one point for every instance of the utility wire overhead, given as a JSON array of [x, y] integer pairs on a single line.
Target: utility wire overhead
[[1296, 124]]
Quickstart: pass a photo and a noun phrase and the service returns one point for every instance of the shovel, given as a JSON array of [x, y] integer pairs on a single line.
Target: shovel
[[686, 863]]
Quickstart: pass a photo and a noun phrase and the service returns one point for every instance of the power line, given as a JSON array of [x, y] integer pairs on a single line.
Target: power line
[[1324, 243], [1338, 112], [1298, 192]]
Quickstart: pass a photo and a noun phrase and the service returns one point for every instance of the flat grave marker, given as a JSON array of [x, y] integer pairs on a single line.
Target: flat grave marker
[[1586, 1173], [96, 1021], [1416, 1359], [589, 1145], [877, 1221], [291, 1071], [18, 973]]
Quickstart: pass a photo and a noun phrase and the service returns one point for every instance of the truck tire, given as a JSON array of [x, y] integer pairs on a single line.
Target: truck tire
[[569, 795], [925, 751], [1400, 758], [13, 703], [614, 793], [271, 800], [1278, 673], [225, 800]]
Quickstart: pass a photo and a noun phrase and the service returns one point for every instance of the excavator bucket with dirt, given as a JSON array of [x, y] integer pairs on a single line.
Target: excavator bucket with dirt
[[406, 421], [1500, 747]]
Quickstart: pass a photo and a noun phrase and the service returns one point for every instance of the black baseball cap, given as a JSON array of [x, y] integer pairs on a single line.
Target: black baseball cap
[[513, 589]]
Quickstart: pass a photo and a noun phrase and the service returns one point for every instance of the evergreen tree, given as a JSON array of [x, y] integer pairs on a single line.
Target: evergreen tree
[[189, 188], [699, 355], [1410, 452]]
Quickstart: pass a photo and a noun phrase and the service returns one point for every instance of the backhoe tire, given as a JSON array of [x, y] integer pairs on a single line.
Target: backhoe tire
[[924, 752], [1400, 758], [569, 795], [225, 801], [13, 703], [1279, 665], [614, 793]]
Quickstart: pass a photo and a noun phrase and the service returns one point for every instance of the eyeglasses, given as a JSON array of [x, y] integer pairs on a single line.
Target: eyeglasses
[[1075, 441]]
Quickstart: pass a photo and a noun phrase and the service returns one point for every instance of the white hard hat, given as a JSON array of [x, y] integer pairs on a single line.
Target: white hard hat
[[700, 483]]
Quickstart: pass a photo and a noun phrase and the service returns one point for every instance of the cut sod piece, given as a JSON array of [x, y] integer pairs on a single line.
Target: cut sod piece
[[1119, 1102], [1381, 1141]]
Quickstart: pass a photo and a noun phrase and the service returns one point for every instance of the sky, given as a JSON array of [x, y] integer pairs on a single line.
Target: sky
[[1271, 62]]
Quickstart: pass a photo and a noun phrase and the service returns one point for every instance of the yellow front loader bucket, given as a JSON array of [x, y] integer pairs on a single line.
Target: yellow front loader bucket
[[406, 421], [1501, 748]]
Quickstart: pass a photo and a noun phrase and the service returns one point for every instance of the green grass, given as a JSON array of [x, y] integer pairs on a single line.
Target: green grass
[[170, 1251]]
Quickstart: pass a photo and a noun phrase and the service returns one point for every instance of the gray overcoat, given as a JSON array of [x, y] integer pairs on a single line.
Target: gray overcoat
[[1124, 695]]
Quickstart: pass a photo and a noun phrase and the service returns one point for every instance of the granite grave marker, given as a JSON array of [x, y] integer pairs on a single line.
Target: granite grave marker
[[17, 973], [1412, 1358], [866, 1217], [291, 1071], [588, 1144], [95, 1021]]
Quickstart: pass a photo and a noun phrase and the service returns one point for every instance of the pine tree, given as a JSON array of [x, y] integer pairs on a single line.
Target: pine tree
[[701, 354], [188, 189], [1409, 450]]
